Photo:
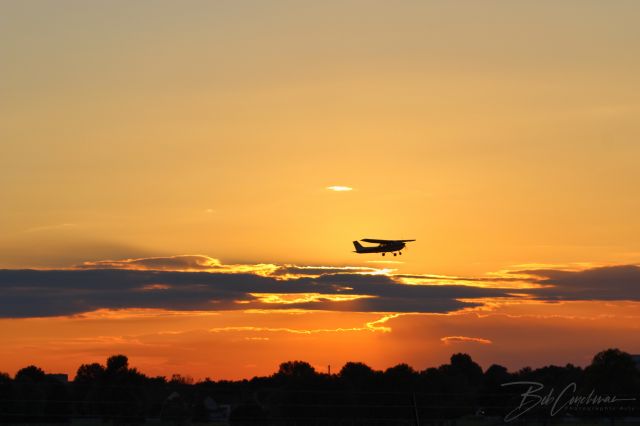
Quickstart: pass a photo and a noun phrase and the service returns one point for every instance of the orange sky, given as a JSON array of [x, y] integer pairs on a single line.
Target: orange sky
[[501, 136], [241, 345], [196, 316]]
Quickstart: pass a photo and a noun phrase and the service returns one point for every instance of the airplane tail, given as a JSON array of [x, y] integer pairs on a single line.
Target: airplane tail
[[358, 246]]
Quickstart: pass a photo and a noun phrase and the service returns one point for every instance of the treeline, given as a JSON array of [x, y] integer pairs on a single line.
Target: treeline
[[120, 394]]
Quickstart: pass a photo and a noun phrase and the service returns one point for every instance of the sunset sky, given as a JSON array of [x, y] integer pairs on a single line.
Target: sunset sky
[[169, 176]]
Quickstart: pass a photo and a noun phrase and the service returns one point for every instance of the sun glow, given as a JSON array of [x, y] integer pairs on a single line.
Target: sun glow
[[295, 298]]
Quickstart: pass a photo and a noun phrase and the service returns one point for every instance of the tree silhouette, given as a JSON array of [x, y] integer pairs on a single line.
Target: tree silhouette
[[5, 396], [119, 394], [115, 393], [296, 370], [88, 389], [117, 363], [38, 398], [30, 373], [463, 365], [89, 373], [29, 394], [612, 371], [461, 379], [493, 398], [495, 376], [401, 376], [357, 374]]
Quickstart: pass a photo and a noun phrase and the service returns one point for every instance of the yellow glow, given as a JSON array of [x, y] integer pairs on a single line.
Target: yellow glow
[[152, 287], [182, 263], [294, 298], [120, 314], [455, 339], [469, 282]]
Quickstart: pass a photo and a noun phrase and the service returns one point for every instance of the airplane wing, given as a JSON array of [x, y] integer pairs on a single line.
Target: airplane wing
[[372, 240]]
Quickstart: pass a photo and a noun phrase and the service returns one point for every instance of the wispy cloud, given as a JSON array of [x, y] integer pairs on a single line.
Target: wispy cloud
[[56, 227], [181, 263], [297, 298], [464, 339], [295, 271], [339, 188], [374, 326], [167, 263]]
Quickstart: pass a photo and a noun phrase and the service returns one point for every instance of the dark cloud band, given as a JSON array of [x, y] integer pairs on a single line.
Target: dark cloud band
[[37, 293], [31, 293]]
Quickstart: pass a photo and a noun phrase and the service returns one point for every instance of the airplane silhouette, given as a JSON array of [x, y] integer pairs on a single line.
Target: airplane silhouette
[[384, 246]]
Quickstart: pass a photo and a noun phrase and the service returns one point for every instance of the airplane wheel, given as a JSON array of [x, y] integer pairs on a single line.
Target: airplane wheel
[[395, 254], [383, 254], [400, 253]]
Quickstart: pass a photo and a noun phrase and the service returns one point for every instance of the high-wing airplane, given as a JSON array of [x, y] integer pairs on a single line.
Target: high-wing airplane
[[384, 246]]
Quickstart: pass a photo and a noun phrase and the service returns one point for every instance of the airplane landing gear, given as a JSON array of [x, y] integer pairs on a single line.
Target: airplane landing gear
[[400, 253], [383, 254], [395, 254]]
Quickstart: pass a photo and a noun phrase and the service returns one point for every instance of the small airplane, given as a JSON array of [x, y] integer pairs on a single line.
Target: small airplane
[[384, 246]]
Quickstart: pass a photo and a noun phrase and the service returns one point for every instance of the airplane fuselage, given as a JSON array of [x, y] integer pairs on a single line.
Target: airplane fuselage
[[385, 248]]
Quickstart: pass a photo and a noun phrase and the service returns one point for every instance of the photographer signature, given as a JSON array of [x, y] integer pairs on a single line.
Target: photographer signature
[[534, 396]]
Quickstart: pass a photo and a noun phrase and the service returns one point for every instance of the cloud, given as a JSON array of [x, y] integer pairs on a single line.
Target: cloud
[[170, 263], [506, 280], [202, 283], [316, 271], [150, 283], [374, 326], [620, 282], [339, 188], [465, 339], [182, 263], [58, 227], [550, 283]]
